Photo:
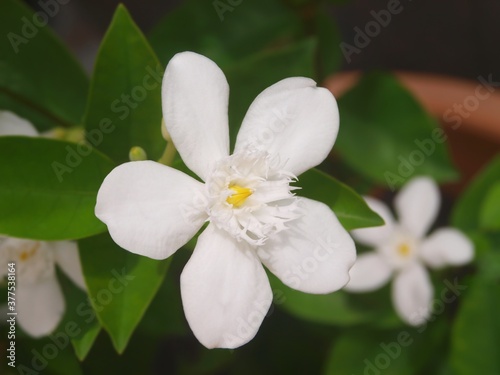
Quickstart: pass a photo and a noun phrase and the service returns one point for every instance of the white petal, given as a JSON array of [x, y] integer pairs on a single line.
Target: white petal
[[412, 294], [294, 120], [225, 291], [377, 235], [67, 257], [446, 246], [12, 124], [314, 254], [417, 205], [370, 272], [195, 98], [40, 306], [150, 209]]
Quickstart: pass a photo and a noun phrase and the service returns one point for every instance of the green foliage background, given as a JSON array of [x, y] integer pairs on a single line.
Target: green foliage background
[[143, 330]]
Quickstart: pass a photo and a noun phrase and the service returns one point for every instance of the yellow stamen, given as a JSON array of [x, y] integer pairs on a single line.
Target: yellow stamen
[[404, 249], [25, 255], [239, 196]]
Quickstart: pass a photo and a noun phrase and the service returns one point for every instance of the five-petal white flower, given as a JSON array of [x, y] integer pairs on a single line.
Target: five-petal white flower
[[401, 250], [153, 210], [39, 299]]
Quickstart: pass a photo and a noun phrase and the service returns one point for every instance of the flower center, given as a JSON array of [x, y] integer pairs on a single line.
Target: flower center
[[404, 249], [239, 196], [400, 249], [249, 196], [30, 252], [34, 260]]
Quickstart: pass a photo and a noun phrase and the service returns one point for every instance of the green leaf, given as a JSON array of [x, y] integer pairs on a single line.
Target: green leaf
[[84, 342], [49, 188], [121, 285], [329, 56], [406, 351], [351, 210], [39, 79], [45, 356], [224, 34], [330, 308], [489, 218], [338, 308], [141, 356], [467, 214], [165, 316], [80, 323], [251, 76], [125, 95], [362, 352], [476, 332], [387, 136]]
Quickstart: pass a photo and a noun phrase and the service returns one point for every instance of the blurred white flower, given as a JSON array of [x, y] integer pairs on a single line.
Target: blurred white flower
[[39, 300], [402, 251], [12, 124], [153, 210]]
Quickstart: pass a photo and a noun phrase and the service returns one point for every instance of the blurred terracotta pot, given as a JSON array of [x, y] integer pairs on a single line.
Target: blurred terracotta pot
[[469, 112]]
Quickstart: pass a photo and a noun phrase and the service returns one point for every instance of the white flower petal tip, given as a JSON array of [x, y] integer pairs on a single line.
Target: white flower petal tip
[[447, 247], [40, 307], [150, 209], [68, 258], [195, 96], [376, 235], [370, 272], [314, 254], [412, 293], [12, 124], [293, 119], [225, 291], [417, 205]]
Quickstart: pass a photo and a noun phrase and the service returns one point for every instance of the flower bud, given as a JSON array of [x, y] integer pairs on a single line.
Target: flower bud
[[137, 153]]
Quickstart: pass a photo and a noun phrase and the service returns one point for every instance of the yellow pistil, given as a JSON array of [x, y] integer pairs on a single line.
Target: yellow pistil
[[25, 255], [239, 196], [404, 249]]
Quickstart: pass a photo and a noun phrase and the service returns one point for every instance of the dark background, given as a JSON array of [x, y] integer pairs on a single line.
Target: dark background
[[453, 37]]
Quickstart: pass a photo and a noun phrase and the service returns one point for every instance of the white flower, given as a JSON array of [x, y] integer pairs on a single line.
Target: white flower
[[402, 251], [153, 210], [39, 299], [12, 124]]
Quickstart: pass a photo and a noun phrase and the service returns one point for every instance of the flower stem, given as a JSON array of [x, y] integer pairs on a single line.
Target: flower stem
[[169, 154]]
